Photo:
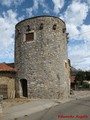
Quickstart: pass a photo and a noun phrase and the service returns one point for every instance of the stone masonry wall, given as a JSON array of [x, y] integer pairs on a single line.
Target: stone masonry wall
[[43, 62], [9, 80]]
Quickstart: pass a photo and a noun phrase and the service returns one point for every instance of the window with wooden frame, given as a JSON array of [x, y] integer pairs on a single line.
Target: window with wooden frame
[[4, 90], [29, 36]]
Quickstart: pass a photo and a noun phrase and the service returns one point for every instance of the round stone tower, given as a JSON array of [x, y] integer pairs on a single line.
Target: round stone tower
[[41, 58]]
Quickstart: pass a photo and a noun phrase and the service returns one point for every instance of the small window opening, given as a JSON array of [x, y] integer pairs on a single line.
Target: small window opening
[[54, 27], [67, 37], [28, 28], [17, 32], [41, 26], [30, 36], [64, 30], [66, 65]]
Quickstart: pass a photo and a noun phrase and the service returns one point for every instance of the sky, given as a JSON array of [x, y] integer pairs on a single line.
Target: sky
[[75, 13]]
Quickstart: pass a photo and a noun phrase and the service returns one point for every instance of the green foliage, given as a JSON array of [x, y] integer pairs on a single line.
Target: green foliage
[[83, 75], [80, 76], [86, 85], [87, 75]]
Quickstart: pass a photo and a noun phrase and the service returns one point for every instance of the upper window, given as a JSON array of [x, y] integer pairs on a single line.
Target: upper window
[[54, 26], [29, 36], [65, 64]]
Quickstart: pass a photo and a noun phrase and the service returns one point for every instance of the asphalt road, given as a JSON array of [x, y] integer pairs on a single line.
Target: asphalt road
[[73, 110]]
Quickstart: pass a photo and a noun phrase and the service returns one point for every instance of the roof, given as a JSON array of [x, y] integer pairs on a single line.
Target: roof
[[7, 67], [72, 79], [39, 17]]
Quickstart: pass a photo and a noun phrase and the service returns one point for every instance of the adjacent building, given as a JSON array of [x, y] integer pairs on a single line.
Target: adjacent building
[[7, 80]]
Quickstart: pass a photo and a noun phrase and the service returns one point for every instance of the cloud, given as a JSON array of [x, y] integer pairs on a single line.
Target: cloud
[[76, 13], [34, 9], [8, 21], [73, 31], [85, 30], [8, 3], [58, 4], [29, 11], [74, 17], [88, 2], [80, 56], [79, 53]]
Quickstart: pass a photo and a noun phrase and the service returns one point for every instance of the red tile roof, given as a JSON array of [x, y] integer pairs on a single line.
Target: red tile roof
[[9, 67]]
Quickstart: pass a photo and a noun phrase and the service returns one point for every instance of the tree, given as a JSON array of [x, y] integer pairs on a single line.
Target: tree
[[80, 76], [87, 75]]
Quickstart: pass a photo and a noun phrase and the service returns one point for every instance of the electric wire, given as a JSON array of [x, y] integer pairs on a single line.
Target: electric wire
[[79, 34]]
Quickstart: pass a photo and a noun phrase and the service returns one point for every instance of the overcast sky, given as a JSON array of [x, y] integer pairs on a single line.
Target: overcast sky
[[75, 13]]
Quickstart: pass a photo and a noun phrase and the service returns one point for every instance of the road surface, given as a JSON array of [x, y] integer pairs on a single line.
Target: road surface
[[73, 110]]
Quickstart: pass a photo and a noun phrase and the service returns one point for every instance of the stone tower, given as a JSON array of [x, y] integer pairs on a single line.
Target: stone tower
[[41, 58]]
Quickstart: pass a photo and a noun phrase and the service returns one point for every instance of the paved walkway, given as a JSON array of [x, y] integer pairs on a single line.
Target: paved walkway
[[18, 110], [80, 94]]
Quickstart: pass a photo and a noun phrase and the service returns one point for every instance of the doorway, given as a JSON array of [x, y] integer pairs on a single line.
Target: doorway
[[24, 87]]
